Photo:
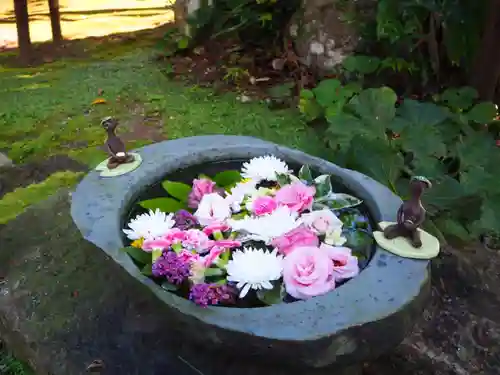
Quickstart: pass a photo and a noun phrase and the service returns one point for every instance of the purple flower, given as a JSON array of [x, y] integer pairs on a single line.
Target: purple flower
[[171, 267], [211, 294], [184, 220]]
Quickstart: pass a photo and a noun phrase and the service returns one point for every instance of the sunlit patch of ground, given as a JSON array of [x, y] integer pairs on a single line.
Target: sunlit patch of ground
[[84, 18]]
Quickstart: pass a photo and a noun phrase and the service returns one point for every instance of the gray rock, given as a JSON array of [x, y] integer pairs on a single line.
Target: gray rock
[[5, 161], [365, 317]]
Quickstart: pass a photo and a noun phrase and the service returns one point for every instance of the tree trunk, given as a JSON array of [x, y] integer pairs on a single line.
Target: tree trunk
[[23, 30], [55, 21], [485, 72]]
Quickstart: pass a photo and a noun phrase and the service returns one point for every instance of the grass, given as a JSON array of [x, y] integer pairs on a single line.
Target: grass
[[11, 366], [48, 110]]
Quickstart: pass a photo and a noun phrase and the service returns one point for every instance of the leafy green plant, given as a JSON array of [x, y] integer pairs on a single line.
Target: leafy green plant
[[449, 141]]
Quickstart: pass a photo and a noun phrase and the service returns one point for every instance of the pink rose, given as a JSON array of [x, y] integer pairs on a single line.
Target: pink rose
[[322, 221], [214, 253], [263, 205], [345, 265], [308, 272], [188, 257], [201, 187], [215, 227], [196, 240], [297, 196], [228, 244], [297, 237]]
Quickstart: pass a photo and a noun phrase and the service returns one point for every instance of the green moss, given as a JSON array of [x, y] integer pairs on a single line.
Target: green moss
[[11, 366], [14, 203]]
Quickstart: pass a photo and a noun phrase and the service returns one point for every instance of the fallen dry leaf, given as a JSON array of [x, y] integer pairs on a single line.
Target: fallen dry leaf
[[99, 101], [100, 92]]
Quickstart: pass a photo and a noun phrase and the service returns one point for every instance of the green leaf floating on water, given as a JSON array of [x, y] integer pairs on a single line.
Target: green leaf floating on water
[[272, 296], [177, 190], [305, 173], [283, 179], [147, 270], [323, 185], [227, 179], [138, 255], [338, 201], [163, 204], [209, 272]]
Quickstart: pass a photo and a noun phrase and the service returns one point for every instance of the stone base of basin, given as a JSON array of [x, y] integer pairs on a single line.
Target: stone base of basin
[[65, 304]]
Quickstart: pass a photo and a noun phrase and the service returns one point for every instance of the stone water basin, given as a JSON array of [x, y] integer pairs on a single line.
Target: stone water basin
[[356, 322]]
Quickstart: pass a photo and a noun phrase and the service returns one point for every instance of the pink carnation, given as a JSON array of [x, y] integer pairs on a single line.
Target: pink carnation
[[174, 235], [196, 240], [300, 236], [215, 227], [297, 196], [201, 187], [214, 253], [188, 257], [263, 205], [228, 244]]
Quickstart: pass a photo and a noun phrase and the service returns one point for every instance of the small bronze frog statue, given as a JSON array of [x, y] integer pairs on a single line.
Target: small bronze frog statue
[[411, 214], [114, 145]]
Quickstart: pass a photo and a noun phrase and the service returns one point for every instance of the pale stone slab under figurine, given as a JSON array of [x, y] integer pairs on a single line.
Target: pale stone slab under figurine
[[120, 169], [403, 248]]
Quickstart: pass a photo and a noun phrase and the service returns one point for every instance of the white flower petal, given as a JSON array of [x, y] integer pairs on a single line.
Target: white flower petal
[[264, 168], [150, 225], [254, 269]]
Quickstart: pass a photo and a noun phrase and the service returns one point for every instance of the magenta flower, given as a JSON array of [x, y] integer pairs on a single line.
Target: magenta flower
[[298, 237], [201, 187], [171, 267], [173, 236], [211, 294], [263, 205], [188, 257], [227, 243], [297, 196]]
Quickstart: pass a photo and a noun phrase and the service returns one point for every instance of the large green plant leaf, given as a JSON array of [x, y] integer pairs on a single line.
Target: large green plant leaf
[[376, 107], [445, 194], [421, 114], [459, 99], [178, 190], [483, 113], [343, 127], [163, 204], [489, 220], [477, 149], [227, 178], [327, 92], [376, 159]]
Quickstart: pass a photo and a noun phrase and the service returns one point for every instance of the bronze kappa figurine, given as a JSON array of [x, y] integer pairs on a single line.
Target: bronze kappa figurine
[[114, 145], [411, 214]]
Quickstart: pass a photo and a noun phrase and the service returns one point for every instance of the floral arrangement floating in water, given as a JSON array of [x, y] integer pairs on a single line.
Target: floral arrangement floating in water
[[257, 236]]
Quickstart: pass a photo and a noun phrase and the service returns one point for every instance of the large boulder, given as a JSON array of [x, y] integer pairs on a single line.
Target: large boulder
[[322, 34]]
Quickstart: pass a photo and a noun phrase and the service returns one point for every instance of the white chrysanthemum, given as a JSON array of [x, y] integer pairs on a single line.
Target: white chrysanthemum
[[238, 193], [264, 168], [150, 225], [254, 269], [267, 227]]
